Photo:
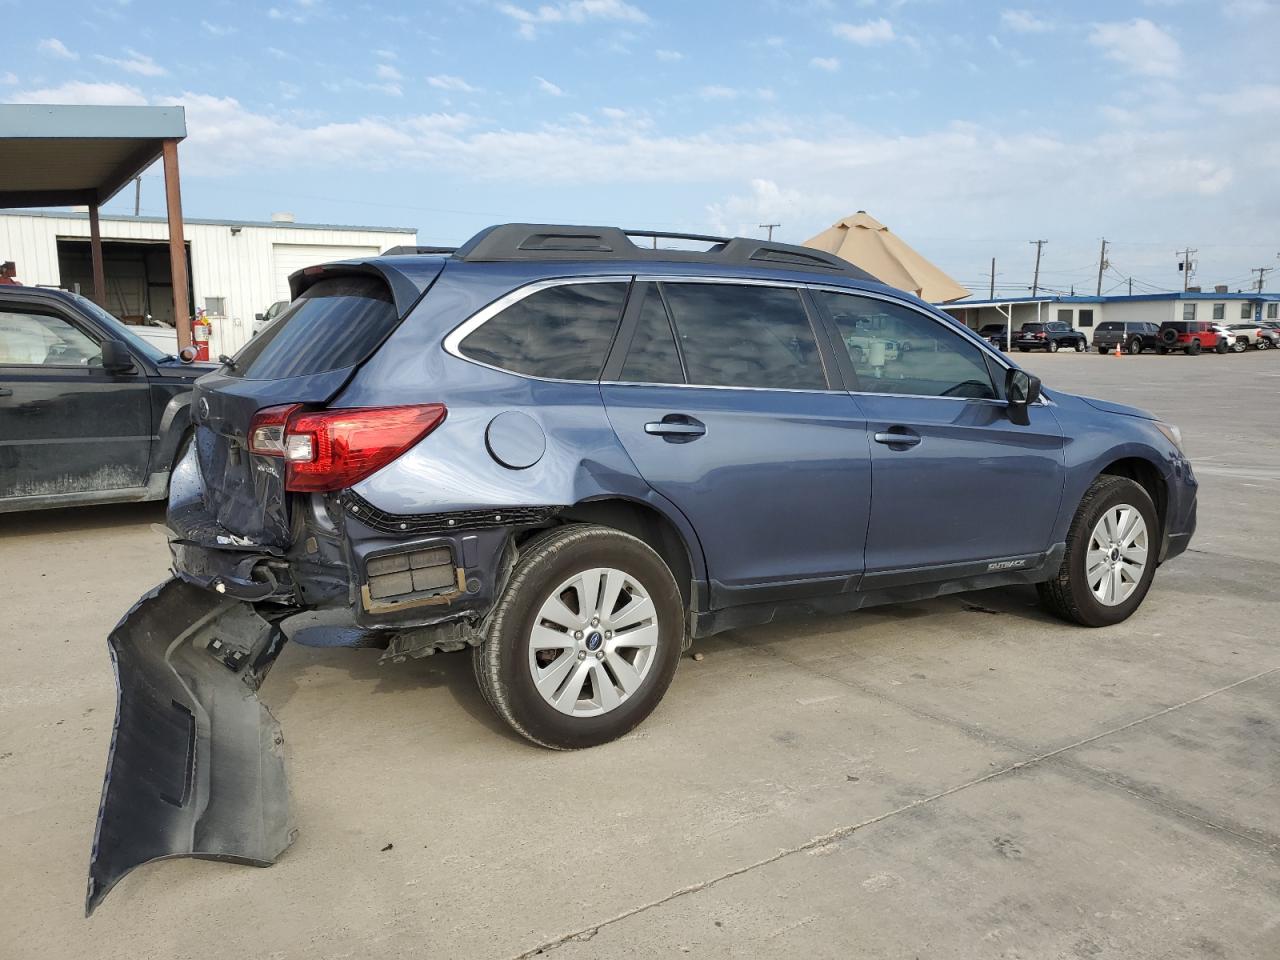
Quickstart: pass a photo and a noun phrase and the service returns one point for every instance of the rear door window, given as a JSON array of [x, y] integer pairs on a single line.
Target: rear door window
[[736, 335], [336, 323], [896, 349], [652, 357], [558, 333]]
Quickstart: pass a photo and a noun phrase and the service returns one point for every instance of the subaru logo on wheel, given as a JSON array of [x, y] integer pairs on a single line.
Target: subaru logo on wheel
[[594, 640]]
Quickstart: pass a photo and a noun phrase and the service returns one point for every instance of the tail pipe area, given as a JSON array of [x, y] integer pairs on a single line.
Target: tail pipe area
[[196, 764]]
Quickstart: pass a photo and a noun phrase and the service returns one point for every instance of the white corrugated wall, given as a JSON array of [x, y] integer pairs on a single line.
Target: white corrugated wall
[[238, 266]]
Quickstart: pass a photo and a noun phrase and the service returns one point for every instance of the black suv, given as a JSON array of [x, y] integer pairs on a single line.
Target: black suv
[[1132, 337], [89, 411], [1051, 335], [996, 334]]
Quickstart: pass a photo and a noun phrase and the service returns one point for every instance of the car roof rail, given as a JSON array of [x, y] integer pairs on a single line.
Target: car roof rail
[[544, 241], [415, 251]]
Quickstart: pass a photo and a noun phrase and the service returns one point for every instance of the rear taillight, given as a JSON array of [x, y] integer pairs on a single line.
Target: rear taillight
[[1041, 336], [333, 449]]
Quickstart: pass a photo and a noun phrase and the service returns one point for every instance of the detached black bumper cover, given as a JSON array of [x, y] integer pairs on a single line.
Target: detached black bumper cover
[[196, 765]]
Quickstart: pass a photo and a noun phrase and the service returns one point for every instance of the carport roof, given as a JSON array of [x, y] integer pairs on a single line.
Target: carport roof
[[53, 155]]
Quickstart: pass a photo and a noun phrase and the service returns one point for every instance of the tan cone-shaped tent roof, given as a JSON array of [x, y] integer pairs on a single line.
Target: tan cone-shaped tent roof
[[867, 243]]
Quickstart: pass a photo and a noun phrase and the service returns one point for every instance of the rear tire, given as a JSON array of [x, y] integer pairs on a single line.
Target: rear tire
[[1053, 346], [1102, 351], [1135, 347], [1071, 595], [564, 688], [1081, 345]]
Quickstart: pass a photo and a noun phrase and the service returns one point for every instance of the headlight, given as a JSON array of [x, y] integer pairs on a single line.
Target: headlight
[[1172, 432]]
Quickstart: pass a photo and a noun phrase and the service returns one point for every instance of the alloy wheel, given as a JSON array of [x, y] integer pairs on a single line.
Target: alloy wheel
[[593, 642], [1117, 554]]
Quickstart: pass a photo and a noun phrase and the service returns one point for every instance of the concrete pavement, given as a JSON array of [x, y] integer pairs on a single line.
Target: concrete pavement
[[965, 777]]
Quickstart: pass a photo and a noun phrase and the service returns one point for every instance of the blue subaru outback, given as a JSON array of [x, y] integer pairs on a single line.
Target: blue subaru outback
[[573, 455]]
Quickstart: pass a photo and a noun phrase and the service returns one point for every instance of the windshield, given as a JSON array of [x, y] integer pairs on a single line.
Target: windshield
[[120, 331]]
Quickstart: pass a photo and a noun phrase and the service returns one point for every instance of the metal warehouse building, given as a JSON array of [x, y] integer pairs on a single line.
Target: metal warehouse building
[[236, 268]]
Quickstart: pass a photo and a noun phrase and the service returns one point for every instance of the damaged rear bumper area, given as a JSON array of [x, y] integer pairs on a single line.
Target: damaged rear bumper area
[[196, 764]]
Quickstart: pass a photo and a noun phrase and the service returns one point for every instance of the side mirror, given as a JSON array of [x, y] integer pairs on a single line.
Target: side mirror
[[259, 317], [116, 357], [1021, 390]]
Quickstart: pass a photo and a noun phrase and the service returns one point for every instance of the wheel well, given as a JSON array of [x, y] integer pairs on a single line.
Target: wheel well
[[1145, 474], [647, 524]]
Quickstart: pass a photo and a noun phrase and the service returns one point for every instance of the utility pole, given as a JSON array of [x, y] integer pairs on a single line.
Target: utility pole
[[1185, 265], [1262, 274], [1131, 286], [1102, 265], [992, 294], [769, 227], [137, 195], [1035, 283]]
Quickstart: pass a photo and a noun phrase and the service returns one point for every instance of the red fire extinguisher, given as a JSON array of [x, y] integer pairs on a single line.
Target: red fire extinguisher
[[200, 335]]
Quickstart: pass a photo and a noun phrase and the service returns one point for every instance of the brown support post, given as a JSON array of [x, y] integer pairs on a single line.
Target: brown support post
[[95, 256], [177, 244]]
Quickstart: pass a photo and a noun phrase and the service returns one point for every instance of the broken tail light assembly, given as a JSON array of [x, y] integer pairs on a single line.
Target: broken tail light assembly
[[327, 450]]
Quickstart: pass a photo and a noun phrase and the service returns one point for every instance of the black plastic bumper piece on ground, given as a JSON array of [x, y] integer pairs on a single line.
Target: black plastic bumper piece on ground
[[196, 764]]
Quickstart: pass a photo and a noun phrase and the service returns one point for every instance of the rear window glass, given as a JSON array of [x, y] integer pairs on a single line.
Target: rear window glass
[[336, 323], [1033, 327], [1108, 327], [745, 336], [560, 333]]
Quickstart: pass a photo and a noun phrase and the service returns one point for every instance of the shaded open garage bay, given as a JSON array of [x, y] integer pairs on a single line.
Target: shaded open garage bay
[[964, 777]]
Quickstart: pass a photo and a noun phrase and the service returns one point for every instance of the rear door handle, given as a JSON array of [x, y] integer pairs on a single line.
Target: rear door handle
[[898, 437], [676, 428], [5, 392]]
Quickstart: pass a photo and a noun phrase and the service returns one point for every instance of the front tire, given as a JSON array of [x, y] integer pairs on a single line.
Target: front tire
[[1193, 348], [1112, 546], [1053, 346], [1221, 347], [1081, 346], [1135, 347], [585, 639]]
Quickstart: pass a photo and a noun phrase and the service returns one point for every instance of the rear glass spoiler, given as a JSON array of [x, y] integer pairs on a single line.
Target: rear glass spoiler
[[408, 278]]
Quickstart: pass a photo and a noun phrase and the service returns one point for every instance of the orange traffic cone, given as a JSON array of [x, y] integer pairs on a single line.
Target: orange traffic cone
[[1118, 353]]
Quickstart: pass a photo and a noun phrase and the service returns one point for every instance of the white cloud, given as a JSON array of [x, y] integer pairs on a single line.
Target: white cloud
[[56, 48], [614, 113], [386, 55], [829, 64], [669, 55], [1139, 46], [866, 34], [571, 11], [217, 29], [385, 71], [445, 81], [717, 92], [91, 94], [1248, 9], [134, 62], [1260, 98], [1024, 21], [546, 86]]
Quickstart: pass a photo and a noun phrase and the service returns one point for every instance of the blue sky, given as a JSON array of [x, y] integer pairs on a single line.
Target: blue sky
[[970, 128]]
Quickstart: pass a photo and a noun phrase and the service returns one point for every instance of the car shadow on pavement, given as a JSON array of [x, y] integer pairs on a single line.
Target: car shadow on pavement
[[74, 520], [450, 671]]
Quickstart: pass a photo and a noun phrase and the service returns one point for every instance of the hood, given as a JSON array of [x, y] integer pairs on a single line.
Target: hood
[[173, 367], [1106, 406]]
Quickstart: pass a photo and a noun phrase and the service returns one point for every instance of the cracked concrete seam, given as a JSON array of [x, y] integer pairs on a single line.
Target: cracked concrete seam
[[840, 833]]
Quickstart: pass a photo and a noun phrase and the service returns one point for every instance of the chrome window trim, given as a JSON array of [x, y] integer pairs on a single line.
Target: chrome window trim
[[454, 338]]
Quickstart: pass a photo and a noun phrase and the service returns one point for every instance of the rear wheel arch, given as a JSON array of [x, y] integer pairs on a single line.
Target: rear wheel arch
[[1146, 475], [647, 524]]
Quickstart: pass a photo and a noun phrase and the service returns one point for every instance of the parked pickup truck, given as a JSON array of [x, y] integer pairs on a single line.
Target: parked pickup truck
[[89, 411], [1131, 337]]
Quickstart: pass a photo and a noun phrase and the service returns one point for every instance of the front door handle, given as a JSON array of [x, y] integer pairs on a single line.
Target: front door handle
[[5, 392], [898, 437], [676, 428]]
